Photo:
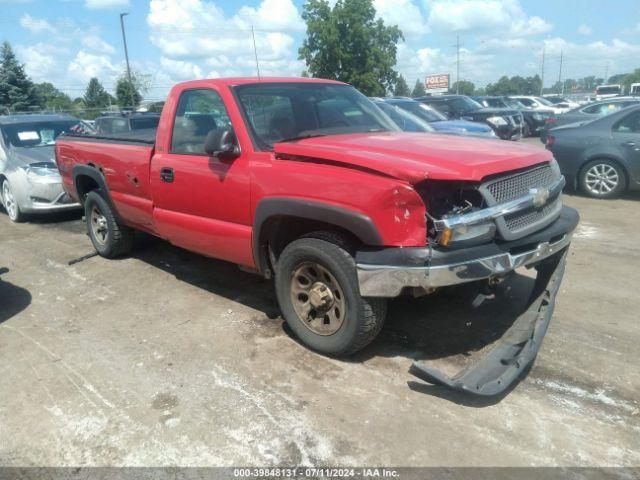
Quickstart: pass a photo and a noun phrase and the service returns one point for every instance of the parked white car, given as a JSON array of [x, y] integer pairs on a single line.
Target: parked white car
[[608, 91], [560, 102], [539, 103]]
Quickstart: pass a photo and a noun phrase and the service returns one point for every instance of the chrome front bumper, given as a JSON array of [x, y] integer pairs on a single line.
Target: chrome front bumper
[[389, 280]]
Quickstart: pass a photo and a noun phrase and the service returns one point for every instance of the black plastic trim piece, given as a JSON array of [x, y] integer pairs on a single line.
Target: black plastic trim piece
[[91, 172], [357, 223], [517, 349]]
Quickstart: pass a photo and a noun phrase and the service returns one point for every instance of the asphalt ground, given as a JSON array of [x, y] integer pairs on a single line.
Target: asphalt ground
[[169, 358]]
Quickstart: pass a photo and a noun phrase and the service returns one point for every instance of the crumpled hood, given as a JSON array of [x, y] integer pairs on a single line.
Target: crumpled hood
[[27, 156], [413, 157]]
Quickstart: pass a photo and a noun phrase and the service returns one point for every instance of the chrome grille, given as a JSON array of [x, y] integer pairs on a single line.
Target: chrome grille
[[515, 186], [511, 187], [520, 221]]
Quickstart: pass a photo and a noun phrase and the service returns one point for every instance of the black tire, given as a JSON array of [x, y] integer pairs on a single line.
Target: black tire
[[363, 318], [118, 239], [526, 129], [588, 179]]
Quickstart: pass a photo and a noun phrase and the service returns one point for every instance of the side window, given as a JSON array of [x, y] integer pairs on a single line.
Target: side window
[[119, 125], [199, 112], [629, 124], [442, 107], [527, 102]]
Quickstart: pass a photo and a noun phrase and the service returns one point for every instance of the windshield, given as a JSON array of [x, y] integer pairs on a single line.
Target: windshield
[[37, 134], [284, 111], [407, 121], [422, 111], [465, 104], [140, 123], [544, 101], [613, 90], [513, 103]]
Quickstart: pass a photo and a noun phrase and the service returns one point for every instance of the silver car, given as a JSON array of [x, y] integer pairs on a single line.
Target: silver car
[[29, 178]]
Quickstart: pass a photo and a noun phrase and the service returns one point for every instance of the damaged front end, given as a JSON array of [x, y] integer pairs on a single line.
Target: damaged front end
[[482, 233]]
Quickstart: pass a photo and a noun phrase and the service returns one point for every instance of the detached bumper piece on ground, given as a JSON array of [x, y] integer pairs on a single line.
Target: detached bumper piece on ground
[[518, 347]]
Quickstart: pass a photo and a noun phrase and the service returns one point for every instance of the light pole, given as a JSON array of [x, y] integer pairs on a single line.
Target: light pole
[[124, 40]]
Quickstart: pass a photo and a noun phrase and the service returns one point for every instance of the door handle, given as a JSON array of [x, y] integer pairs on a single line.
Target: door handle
[[166, 174]]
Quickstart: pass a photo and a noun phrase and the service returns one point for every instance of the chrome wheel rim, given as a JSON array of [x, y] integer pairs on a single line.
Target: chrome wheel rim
[[318, 299], [9, 201], [602, 179], [99, 226]]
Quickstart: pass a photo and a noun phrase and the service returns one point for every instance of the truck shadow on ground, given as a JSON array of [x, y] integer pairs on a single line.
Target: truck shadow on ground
[[13, 299], [445, 325]]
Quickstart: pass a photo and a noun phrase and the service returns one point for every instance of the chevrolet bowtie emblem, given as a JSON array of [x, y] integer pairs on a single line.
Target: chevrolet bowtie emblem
[[540, 196]]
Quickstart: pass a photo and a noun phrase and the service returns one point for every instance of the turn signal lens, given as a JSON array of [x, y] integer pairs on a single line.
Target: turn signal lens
[[445, 237]]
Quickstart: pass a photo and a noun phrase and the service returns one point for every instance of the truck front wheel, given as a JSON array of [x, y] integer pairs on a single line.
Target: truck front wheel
[[318, 293], [109, 238]]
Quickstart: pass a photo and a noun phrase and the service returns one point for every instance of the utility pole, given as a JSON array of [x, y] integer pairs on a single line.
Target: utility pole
[[124, 40], [457, 64], [560, 75], [255, 51], [542, 72]]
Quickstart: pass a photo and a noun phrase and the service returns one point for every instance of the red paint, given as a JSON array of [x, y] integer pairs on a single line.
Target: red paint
[[209, 207]]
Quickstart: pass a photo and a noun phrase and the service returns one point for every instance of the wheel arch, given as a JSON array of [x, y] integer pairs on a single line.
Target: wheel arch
[[87, 178], [278, 221]]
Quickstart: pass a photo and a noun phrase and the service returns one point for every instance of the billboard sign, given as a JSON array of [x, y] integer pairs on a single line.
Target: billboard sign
[[437, 83]]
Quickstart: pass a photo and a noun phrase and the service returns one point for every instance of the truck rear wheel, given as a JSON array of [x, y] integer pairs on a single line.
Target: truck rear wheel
[[317, 289], [109, 238]]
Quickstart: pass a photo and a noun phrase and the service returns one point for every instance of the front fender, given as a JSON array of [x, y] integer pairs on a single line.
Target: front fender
[[352, 221]]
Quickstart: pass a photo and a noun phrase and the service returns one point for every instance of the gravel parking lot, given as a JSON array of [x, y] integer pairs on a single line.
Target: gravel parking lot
[[169, 358]]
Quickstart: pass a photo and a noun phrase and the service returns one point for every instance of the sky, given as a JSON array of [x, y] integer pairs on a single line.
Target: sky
[[66, 42]]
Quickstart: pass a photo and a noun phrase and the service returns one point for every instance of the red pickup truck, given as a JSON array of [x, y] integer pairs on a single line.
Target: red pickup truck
[[306, 181]]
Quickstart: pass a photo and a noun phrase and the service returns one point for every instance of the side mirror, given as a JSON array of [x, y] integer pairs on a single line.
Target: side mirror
[[222, 143]]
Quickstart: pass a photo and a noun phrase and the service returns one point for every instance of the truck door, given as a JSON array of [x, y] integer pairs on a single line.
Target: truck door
[[626, 133], [201, 202]]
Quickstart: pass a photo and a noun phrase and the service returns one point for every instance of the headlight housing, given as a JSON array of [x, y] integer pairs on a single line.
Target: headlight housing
[[498, 121], [41, 171]]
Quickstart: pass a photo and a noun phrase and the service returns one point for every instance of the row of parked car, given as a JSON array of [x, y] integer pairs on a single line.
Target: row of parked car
[[597, 145]]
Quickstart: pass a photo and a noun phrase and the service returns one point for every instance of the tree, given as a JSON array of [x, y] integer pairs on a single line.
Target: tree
[[463, 87], [401, 89], [51, 98], [515, 86], [17, 92], [127, 95], [631, 78], [347, 43], [95, 96], [418, 89]]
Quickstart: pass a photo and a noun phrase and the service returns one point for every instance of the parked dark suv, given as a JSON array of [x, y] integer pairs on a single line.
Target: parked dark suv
[[114, 124], [506, 122], [534, 120]]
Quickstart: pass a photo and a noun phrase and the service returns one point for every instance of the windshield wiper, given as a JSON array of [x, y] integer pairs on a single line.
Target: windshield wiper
[[301, 137]]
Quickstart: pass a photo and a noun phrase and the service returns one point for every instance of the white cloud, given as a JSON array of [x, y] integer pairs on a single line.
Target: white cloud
[[36, 25], [276, 15], [195, 38], [483, 16], [86, 65], [97, 44], [41, 60], [585, 29], [105, 4], [403, 13]]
